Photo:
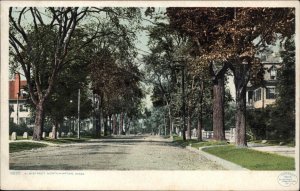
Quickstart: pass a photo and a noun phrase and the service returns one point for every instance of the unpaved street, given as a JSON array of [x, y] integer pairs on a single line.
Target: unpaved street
[[124, 153]]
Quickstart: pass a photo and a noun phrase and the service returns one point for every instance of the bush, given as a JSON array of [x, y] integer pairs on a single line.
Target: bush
[[19, 129], [270, 123], [256, 123]]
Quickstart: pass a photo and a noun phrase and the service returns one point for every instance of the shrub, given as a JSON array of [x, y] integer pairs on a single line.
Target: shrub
[[19, 129]]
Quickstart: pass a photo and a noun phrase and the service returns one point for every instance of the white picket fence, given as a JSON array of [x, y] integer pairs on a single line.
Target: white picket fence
[[229, 134]]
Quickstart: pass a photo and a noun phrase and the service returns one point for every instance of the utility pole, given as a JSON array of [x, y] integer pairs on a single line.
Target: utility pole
[[18, 81], [18, 95], [78, 135]]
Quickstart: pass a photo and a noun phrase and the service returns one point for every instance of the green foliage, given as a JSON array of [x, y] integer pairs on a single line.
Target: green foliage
[[229, 114], [19, 129], [283, 113], [21, 146], [251, 159], [66, 140], [117, 85], [154, 120], [256, 121], [196, 144]]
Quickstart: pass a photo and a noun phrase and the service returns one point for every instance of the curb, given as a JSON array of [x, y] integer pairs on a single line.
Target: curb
[[226, 164]]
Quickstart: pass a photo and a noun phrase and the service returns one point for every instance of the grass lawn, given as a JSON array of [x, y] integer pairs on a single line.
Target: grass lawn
[[21, 138], [196, 144], [66, 140], [251, 159], [21, 146]]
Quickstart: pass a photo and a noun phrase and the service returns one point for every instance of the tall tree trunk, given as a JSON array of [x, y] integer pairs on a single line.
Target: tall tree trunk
[[105, 125], [199, 128], [171, 124], [98, 125], [97, 117], [165, 125], [241, 78], [127, 124], [240, 117], [218, 107], [200, 118], [121, 123], [169, 115], [114, 124], [55, 128], [189, 131], [117, 123], [125, 128], [110, 124], [38, 126]]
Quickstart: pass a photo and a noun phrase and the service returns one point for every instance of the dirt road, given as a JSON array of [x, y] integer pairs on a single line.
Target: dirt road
[[124, 153]]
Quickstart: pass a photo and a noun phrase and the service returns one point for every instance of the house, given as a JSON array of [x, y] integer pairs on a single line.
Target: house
[[261, 96], [18, 112]]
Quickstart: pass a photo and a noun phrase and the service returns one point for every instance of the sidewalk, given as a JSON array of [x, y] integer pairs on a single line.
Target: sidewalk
[[280, 150]]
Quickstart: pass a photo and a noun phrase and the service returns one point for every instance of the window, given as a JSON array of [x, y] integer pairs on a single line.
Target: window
[[23, 108], [22, 120], [11, 108], [273, 73], [257, 94], [271, 94], [11, 119], [250, 97]]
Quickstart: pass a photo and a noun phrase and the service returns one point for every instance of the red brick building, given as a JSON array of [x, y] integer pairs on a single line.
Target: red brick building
[[18, 112]]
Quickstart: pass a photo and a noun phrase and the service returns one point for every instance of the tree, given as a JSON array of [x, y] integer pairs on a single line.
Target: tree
[[203, 95], [66, 93], [160, 70], [228, 35], [281, 121], [201, 24], [118, 87], [42, 58], [166, 46], [248, 25]]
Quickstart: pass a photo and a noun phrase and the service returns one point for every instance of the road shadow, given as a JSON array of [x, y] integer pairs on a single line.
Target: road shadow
[[131, 140]]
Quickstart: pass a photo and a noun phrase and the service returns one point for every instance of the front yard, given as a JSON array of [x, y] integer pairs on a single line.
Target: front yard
[[245, 157], [251, 159]]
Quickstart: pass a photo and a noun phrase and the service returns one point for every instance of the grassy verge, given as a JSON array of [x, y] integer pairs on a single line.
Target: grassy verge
[[251, 159], [196, 144], [66, 140], [21, 146]]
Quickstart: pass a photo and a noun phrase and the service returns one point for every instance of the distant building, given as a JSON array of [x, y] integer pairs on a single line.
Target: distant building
[[18, 112], [259, 96]]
